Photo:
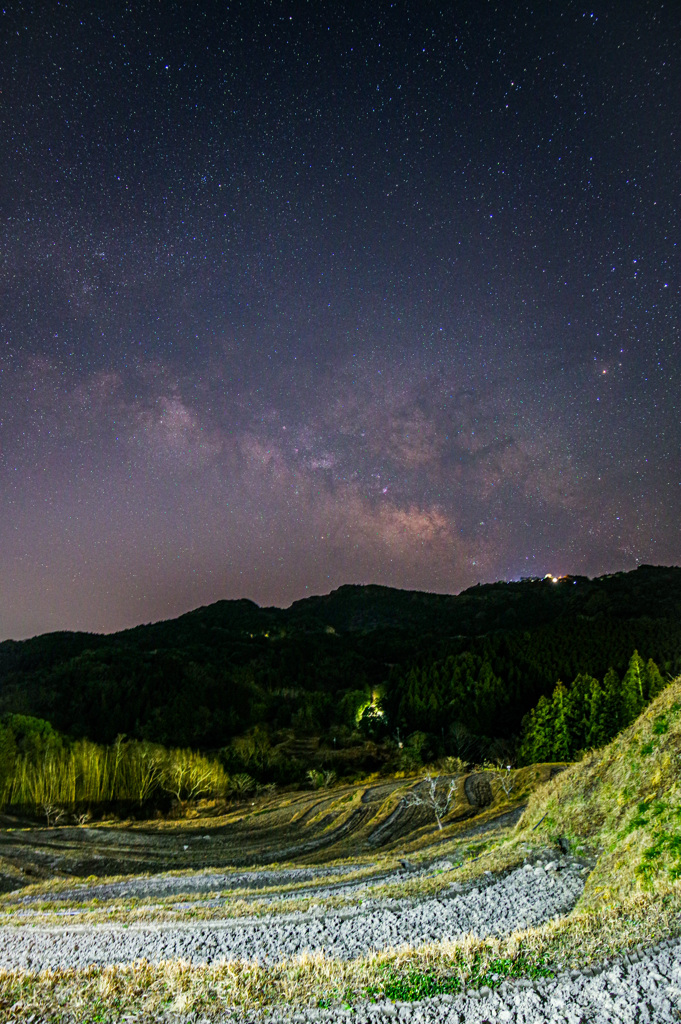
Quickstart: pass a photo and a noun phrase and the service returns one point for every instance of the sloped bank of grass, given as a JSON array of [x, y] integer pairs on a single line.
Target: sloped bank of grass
[[624, 803]]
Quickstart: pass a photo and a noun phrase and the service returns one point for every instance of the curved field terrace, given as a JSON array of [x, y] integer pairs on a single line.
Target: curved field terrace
[[356, 907]]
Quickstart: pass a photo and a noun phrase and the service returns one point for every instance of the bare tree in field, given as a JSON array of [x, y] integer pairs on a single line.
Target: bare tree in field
[[436, 798], [503, 773], [505, 778], [188, 776], [53, 814]]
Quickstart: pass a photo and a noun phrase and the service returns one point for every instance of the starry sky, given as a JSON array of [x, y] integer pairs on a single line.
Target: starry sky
[[301, 294]]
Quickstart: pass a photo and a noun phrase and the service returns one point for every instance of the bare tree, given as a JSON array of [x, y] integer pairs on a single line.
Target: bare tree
[[187, 777], [435, 797], [118, 752], [149, 772], [462, 742], [53, 814], [504, 776]]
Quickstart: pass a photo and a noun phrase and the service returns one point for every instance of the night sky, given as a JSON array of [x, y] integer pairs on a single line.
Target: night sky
[[301, 294]]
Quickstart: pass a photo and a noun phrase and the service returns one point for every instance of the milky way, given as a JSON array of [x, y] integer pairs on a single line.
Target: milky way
[[295, 295]]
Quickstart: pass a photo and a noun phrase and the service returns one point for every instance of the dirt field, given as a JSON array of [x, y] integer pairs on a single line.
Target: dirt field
[[303, 827], [300, 905]]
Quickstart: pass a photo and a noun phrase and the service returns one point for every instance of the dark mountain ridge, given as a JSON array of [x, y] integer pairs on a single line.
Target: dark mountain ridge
[[220, 670], [653, 591]]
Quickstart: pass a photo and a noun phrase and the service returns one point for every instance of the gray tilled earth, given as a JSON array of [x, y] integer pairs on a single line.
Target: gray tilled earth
[[643, 988], [525, 897], [643, 992], [201, 882]]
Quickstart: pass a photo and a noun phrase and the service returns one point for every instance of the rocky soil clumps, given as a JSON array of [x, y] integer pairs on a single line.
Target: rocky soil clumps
[[525, 897]]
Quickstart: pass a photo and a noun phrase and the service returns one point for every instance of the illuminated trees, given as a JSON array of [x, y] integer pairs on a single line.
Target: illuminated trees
[[588, 713]]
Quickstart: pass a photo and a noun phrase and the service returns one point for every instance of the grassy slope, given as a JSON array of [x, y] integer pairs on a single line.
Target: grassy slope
[[623, 801]]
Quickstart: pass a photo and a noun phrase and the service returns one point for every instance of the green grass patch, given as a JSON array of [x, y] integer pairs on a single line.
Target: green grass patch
[[665, 851], [643, 814], [412, 985]]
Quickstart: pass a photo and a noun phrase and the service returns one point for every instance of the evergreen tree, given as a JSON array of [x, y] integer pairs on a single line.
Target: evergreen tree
[[633, 699], [560, 723], [537, 734], [578, 711], [489, 696], [597, 732], [588, 713], [655, 682], [613, 719]]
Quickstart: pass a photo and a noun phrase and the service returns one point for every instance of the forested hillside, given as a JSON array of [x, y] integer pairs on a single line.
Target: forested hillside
[[436, 673], [588, 713]]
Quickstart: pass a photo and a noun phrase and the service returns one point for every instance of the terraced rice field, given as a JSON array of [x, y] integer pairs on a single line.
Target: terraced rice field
[[335, 904], [308, 827]]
